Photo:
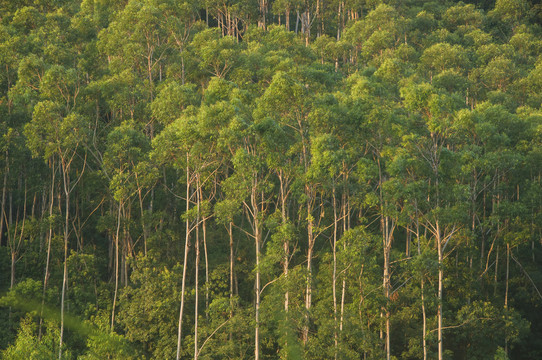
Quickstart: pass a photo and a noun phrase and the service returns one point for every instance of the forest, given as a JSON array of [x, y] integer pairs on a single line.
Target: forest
[[270, 179]]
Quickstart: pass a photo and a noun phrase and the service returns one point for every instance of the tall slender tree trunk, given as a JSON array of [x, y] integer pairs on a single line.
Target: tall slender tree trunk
[[286, 249], [204, 230], [196, 281], [287, 15], [263, 14], [66, 181], [257, 243], [257, 313], [9, 223], [386, 281], [506, 290], [424, 315], [339, 14], [143, 225], [186, 248], [49, 240], [424, 320], [4, 190], [117, 234], [310, 194], [12, 277], [440, 280], [318, 27], [232, 264], [387, 225], [346, 227], [334, 275], [286, 243], [308, 293]]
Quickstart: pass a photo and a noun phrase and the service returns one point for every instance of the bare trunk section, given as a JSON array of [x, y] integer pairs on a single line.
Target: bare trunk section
[[339, 15], [232, 264], [442, 236], [308, 293], [506, 289], [142, 213], [424, 315], [186, 248], [117, 234], [346, 227], [196, 282], [257, 243], [12, 268], [204, 230], [4, 190], [306, 25], [49, 240], [286, 244], [388, 236], [334, 275], [287, 15], [424, 319], [257, 313], [263, 14], [66, 181], [388, 227], [440, 279]]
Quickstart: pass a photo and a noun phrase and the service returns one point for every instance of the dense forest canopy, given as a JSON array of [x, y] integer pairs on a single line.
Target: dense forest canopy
[[293, 179]]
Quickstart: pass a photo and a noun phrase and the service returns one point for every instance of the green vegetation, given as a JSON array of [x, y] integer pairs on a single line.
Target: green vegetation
[[270, 180]]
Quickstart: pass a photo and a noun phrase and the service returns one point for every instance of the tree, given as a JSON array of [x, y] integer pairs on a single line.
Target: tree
[[443, 220], [50, 134], [126, 151]]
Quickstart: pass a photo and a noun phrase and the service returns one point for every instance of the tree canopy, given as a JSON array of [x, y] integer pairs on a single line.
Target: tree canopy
[[270, 179]]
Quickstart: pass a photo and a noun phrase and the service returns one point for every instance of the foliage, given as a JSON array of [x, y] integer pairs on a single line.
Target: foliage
[[350, 179]]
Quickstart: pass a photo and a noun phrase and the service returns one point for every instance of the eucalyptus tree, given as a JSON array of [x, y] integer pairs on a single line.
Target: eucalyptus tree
[[172, 137], [184, 143], [127, 148], [326, 164], [215, 114], [335, 148], [408, 185], [20, 219], [33, 81], [279, 148], [55, 133], [137, 46], [248, 187], [287, 98], [252, 186], [377, 119], [136, 40], [180, 25], [445, 214]]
